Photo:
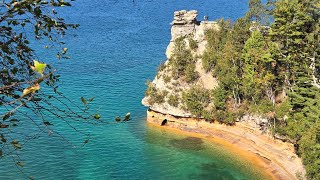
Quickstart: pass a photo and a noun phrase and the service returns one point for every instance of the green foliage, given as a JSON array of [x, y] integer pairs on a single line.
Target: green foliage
[[161, 67], [220, 98], [166, 78], [155, 96], [257, 77], [192, 44], [209, 59], [181, 58], [293, 22], [191, 74], [309, 148], [282, 110], [263, 106], [254, 67], [216, 40], [258, 12], [226, 117], [173, 100], [196, 100]]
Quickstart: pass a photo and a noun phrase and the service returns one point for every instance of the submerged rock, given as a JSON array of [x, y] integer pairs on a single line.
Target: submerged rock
[[189, 143]]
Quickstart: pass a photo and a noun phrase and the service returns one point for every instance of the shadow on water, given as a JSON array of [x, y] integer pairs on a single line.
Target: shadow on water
[[212, 171], [188, 143]]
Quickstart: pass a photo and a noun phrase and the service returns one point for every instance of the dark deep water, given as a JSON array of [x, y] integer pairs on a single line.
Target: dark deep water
[[118, 46]]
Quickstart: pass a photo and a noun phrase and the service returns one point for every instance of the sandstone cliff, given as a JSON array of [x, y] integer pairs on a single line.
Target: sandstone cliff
[[167, 100], [185, 25]]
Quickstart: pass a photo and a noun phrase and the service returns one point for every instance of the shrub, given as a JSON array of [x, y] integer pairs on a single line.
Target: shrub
[[262, 106], [181, 58], [161, 67], [209, 59], [154, 95], [195, 100], [225, 117], [219, 98], [151, 88], [309, 149], [166, 78], [173, 100], [191, 74], [193, 44]]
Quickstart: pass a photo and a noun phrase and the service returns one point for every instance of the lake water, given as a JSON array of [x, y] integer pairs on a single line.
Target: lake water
[[118, 46]]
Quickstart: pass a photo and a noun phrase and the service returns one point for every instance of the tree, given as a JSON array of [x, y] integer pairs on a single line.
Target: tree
[[182, 61], [257, 12], [258, 78], [216, 39], [196, 100], [296, 30], [310, 151], [28, 86]]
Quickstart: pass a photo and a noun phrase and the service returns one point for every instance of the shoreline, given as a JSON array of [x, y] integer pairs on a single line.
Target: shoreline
[[276, 158]]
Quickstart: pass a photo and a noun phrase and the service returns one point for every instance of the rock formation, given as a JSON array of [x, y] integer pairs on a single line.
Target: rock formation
[[184, 25], [250, 132]]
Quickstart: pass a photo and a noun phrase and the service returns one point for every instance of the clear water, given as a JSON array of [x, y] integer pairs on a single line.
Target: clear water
[[117, 48]]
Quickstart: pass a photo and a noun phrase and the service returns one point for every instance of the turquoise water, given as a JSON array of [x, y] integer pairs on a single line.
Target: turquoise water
[[116, 49]]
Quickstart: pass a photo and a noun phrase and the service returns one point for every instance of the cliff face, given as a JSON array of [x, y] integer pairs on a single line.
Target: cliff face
[[170, 87]]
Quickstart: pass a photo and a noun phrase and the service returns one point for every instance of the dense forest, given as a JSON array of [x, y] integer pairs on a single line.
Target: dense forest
[[266, 63]]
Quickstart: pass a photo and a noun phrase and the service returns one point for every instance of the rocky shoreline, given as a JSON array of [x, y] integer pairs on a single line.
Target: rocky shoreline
[[277, 158]]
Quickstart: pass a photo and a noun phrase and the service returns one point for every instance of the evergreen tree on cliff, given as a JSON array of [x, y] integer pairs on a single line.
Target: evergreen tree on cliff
[[296, 30]]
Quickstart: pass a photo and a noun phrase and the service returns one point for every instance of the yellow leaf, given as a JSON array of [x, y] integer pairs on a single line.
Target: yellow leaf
[[38, 67], [30, 89]]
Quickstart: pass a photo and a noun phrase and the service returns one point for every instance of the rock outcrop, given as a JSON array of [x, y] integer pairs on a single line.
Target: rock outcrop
[[185, 17], [185, 24]]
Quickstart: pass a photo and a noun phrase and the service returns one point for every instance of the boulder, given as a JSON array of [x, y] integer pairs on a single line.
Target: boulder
[[184, 17]]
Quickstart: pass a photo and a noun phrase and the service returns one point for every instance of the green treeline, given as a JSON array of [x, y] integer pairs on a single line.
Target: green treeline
[[268, 63]]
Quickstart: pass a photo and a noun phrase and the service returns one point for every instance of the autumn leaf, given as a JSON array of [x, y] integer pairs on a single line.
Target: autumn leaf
[[21, 164], [30, 89], [97, 116], [16, 144], [38, 67], [84, 101]]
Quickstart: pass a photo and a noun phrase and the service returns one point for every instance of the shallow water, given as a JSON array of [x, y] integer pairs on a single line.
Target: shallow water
[[116, 49]]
